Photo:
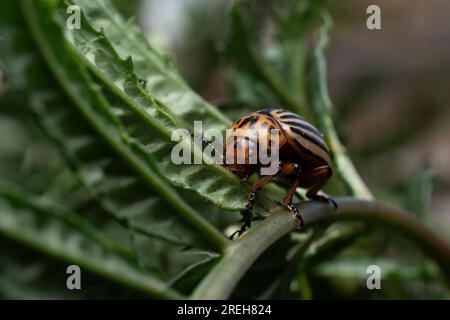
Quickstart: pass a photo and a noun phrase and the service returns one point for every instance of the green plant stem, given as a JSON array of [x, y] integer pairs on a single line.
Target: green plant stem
[[322, 110], [239, 256]]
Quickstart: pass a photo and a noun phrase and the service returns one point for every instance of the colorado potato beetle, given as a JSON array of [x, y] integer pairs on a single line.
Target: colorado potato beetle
[[304, 157]]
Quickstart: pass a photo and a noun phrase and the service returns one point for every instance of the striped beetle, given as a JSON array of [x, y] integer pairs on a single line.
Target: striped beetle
[[304, 157]]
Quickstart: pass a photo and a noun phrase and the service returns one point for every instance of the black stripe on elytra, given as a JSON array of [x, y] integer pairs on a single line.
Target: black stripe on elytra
[[304, 126], [309, 153], [291, 116], [265, 111], [253, 120], [311, 139], [238, 123], [245, 121]]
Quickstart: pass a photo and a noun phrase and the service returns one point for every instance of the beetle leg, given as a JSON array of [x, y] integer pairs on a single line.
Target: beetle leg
[[322, 174], [244, 178], [292, 168], [256, 187], [284, 168], [247, 219], [247, 215], [287, 201]]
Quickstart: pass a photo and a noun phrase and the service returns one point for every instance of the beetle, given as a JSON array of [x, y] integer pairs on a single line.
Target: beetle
[[304, 157]]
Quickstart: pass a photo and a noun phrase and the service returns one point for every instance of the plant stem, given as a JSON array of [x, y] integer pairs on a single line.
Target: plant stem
[[239, 256]]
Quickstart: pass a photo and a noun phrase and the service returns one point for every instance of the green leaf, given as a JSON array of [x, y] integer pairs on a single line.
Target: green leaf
[[165, 258], [65, 236], [295, 22], [157, 69], [244, 76], [268, 61], [28, 274], [93, 106], [145, 120], [106, 175], [51, 181], [188, 279], [29, 160]]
